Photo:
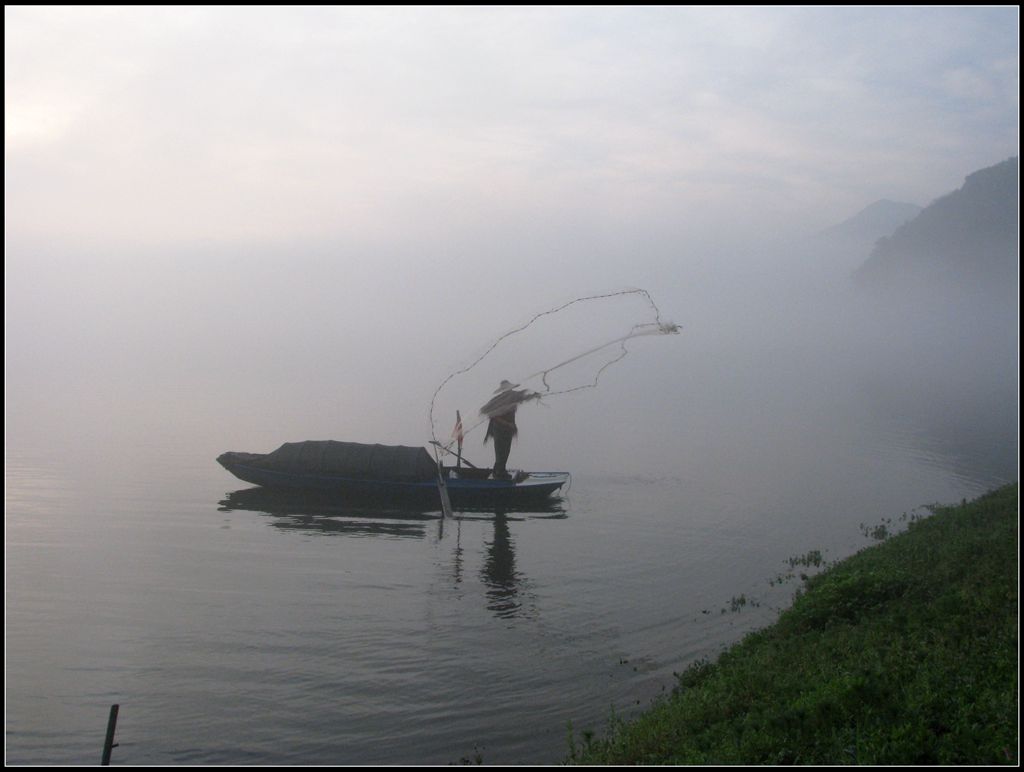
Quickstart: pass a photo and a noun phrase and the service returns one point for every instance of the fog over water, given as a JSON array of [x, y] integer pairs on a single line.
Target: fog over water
[[247, 351], [283, 223], [227, 229]]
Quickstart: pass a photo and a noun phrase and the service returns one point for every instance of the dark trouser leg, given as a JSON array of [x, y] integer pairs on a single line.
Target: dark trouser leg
[[502, 448]]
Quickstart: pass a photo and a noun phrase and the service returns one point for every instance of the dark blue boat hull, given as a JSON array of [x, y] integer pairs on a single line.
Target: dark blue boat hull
[[535, 488]]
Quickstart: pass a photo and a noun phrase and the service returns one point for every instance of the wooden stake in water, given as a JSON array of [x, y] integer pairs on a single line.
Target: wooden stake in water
[[458, 436], [446, 503], [108, 744], [442, 487]]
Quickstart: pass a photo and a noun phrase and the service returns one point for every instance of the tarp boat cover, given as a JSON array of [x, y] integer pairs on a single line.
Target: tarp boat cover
[[355, 460], [358, 472]]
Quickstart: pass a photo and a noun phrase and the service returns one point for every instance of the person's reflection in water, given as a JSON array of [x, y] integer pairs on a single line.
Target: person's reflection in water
[[499, 571]]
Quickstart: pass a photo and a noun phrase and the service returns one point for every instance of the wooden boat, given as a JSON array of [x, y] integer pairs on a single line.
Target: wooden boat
[[385, 473]]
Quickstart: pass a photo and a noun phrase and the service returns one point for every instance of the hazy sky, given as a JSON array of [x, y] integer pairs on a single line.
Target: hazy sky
[[323, 211], [147, 126]]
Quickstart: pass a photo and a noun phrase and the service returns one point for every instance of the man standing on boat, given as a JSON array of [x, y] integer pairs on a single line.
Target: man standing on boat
[[501, 410]]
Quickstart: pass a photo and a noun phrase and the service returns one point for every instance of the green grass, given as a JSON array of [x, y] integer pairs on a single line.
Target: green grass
[[905, 653]]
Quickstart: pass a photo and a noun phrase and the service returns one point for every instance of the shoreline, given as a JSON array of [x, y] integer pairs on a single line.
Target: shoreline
[[903, 653]]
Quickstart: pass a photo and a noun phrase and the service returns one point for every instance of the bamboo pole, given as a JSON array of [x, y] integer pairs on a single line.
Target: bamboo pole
[[108, 744]]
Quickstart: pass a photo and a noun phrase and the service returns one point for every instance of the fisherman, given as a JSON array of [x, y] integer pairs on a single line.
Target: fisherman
[[501, 410]]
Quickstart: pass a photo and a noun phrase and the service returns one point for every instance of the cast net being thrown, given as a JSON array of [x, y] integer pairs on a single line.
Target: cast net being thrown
[[557, 352]]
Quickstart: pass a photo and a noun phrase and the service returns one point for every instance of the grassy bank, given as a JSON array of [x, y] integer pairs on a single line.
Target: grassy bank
[[905, 653]]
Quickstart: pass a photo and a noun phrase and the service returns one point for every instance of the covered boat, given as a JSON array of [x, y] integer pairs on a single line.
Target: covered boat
[[392, 473]]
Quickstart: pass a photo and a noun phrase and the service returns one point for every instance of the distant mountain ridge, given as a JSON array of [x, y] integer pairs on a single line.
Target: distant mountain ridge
[[874, 221], [828, 256], [968, 238]]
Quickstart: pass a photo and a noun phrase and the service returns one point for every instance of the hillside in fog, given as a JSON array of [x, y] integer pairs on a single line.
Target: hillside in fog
[[873, 222], [937, 302], [833, 253], [966, 240]]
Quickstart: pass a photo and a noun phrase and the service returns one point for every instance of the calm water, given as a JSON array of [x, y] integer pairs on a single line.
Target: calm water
[[235, 629]]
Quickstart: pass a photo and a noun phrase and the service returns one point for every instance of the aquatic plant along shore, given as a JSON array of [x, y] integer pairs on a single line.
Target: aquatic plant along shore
[[905, 653]]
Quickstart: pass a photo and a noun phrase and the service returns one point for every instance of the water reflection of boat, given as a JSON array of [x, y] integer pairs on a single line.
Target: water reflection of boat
[[319, 512], [325, 513], [377, 474], [507, 590]]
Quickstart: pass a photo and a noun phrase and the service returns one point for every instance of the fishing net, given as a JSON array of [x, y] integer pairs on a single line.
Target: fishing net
[[564, 350]]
